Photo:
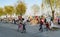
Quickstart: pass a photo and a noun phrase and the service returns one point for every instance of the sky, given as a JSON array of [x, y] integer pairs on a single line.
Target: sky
[[29, 3], [12, 2]]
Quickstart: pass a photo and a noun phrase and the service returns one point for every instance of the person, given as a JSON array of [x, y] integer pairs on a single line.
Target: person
[[20, 27], [24, 24], [1, 20], [24, 28], [14, 21], [47, 26], [45, 20], [41, 23], [58, 21]]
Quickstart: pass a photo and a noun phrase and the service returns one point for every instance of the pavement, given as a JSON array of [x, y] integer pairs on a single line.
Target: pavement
[[10, 30], [58, 26]]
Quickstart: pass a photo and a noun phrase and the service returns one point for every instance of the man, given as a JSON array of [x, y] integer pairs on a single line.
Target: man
[[41, 23], [47, 26], [24, 24]]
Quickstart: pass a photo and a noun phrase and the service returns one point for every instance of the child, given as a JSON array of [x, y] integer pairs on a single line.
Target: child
[[20, 27]]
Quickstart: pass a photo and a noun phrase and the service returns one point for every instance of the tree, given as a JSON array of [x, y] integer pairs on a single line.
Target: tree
[[52, 4], [9, 10], [58, 3], [1, 11], [21, 8], [35, 8]]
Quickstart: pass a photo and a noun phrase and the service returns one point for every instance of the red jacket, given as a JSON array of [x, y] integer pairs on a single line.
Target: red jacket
[[47, 25]]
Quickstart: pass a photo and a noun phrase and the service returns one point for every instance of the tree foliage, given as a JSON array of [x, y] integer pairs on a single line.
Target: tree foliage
[[1, 11], [21, 8], [58, 3], [9, 10], [51, 3]]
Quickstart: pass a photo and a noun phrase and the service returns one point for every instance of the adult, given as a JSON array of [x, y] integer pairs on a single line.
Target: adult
[[14, 21], [47, 26], [24, 24], [41, 24]]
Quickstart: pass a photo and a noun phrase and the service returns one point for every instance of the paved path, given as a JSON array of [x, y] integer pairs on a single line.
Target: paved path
[[58, 26], [10, 30]]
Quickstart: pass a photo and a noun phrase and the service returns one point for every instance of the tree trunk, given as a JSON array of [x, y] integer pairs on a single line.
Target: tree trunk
[[52, 11], [53, 15]]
